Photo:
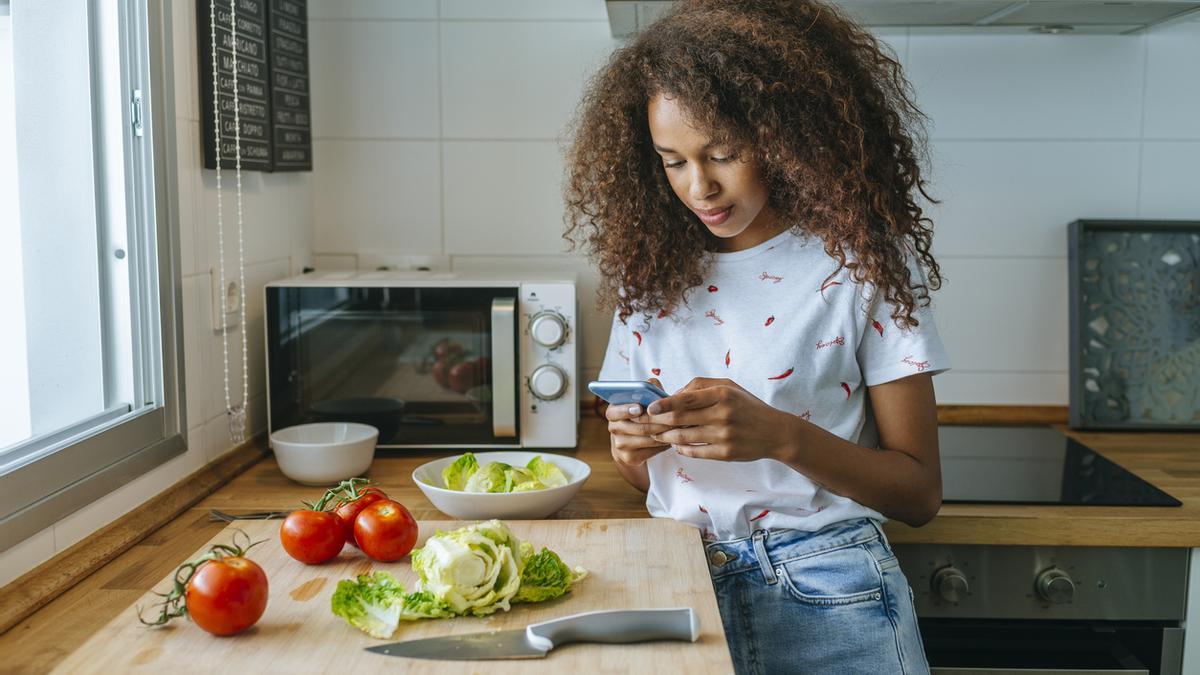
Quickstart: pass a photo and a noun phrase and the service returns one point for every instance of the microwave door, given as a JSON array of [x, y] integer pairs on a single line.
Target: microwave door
[[429, 366], [504, 367]]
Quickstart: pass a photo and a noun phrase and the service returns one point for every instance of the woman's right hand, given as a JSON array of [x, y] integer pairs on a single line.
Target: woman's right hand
[[630, 430]]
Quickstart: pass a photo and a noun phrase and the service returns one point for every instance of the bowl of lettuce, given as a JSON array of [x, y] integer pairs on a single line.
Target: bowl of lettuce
[[506, 484]]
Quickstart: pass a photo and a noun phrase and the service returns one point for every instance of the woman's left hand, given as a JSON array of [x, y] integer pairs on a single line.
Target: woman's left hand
[[732, 423]]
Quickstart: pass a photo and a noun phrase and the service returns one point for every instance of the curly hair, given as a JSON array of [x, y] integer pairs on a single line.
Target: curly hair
[[813, 98]]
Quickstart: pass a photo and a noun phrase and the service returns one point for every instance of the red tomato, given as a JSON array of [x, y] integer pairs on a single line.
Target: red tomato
[[312, 536], [348, 511], [227, 595], [385, 531]]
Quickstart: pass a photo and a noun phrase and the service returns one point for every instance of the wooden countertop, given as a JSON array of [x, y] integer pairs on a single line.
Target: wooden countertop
[[1169, 460]]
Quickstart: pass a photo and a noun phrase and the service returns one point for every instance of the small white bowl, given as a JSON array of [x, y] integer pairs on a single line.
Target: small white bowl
[[324, 453], [512, 505]]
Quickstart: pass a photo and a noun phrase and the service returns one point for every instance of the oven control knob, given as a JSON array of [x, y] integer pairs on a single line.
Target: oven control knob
[[1055, 585], [548, 382], [548, 329], [950, 584]]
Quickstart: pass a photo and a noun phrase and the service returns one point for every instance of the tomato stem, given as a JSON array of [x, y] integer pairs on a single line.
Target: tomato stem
[[174, 604], [347, 491]]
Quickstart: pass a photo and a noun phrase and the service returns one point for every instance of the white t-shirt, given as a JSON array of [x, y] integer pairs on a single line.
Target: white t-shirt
[[766, 318]]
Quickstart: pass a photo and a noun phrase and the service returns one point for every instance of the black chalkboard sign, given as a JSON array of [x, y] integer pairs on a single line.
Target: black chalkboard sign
[[253, 83], [289, 85]]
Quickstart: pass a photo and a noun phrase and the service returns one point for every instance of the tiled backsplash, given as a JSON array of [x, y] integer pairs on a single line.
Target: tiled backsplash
[[469, 101]]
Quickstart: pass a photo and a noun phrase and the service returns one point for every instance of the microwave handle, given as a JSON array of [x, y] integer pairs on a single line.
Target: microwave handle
[[504, 367]]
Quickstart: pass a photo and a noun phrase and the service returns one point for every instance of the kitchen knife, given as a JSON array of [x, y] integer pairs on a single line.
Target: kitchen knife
[[536, 640]]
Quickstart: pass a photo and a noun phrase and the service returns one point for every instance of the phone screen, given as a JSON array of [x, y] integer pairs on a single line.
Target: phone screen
[[621, 392]]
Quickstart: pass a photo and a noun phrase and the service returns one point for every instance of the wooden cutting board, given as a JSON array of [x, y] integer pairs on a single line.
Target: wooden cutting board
[[632, 563]]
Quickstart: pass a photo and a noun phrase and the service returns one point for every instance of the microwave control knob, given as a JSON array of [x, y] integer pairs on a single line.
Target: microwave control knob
[[1055, 586], [548, 382], [950, 584], [549, 329]]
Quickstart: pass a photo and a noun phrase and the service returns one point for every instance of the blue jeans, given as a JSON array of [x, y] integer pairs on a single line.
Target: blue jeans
[[831, 601]]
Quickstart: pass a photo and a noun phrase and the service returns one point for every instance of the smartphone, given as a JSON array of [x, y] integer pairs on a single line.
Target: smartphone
[[618, 392]]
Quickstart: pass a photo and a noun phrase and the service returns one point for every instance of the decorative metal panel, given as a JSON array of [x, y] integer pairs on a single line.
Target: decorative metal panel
[[1135, 324]]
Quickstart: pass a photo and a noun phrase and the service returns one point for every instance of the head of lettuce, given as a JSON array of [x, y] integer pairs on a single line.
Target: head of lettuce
[[475, 570]]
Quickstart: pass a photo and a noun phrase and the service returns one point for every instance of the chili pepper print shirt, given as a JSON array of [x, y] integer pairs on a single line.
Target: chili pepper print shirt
[[771, 320]]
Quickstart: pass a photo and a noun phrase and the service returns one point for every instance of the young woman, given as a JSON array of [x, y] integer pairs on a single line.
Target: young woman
[[745, 174]]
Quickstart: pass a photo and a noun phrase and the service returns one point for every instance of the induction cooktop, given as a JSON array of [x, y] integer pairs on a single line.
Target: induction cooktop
[[1035, 465]]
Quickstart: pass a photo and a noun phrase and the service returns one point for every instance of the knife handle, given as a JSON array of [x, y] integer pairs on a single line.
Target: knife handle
[[616, 625]]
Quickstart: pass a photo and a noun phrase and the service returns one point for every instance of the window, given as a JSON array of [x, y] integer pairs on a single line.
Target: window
[[90, 350]]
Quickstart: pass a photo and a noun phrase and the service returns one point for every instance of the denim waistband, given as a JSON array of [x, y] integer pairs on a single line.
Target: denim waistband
[[779, 546]]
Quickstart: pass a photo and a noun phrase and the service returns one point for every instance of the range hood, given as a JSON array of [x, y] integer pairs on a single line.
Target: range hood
[[1090, 17]]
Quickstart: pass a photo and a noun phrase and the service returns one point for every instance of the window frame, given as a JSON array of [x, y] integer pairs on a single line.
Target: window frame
[[72, 468]]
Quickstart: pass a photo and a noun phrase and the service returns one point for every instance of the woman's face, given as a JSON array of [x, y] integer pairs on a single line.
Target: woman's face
[[723, 189]]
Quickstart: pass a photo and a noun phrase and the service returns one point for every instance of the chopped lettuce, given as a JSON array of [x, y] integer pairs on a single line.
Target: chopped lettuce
[[547, 472], [534, 484], [474, 570], [465, 474], [546, 577], [455, 476], [371, 603], [491, 477], [422, 605]]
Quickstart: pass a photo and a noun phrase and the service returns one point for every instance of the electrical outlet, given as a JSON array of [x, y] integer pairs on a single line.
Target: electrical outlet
[[233, 298]]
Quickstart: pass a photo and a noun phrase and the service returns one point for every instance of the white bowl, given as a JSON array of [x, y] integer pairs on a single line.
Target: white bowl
[[511, 505], [324, 453]]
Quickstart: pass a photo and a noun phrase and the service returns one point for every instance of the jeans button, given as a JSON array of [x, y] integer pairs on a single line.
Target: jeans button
[[720, 557]]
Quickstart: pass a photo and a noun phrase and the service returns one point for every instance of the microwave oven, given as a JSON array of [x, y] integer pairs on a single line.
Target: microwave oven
[[433, 360]]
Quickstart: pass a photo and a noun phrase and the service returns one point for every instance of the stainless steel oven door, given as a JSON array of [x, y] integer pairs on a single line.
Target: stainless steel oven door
[[966, 647], [428, 366], [1033, 671]]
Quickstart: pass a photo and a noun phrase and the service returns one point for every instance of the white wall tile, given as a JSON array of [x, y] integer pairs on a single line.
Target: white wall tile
[[215, 360], [214, 437], [217, 440], [187, 175], [1004, 314], [256, 420], [1170, 180], [957, 387], [257, 277], [273, 207], [26, 555], [593, 326], [283, 210], [503, 197], [196, 332], [516, 79], [1028, 86], [374, 80], [525, 9], [185, 55], [1173, 82], [251, 185], [372, 9], [376, 195], [1015, 198]]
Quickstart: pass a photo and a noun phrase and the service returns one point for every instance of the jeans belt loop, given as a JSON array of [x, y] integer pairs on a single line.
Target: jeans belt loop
[[764, 561], [879, 530]]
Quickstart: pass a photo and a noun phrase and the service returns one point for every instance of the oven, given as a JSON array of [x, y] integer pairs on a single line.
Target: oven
[[1048, 610]]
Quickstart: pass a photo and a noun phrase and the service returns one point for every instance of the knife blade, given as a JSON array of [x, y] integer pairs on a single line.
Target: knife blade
[[617, 626]]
